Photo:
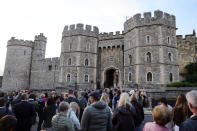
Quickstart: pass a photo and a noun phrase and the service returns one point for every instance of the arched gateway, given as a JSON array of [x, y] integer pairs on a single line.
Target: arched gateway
[[111, 77]]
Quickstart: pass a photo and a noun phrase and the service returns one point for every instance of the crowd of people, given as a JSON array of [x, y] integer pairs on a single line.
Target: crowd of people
[[96, 110]]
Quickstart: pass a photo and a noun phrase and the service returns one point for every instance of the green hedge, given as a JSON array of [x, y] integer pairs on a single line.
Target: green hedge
[[182, 84]]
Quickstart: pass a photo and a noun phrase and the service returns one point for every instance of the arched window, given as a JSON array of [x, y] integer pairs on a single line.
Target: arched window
[[170, 56], [130, 59], [86, 62], [171, 77], [149, 76], [147, 39], [86, 78], [68, 79], [69, 61], [129, 77], [148, 57]]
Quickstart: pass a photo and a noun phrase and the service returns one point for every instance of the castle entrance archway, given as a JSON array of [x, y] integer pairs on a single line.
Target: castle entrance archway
[[111, 77]]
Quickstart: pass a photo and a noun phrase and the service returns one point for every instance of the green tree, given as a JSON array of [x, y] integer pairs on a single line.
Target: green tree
[[191, 75]]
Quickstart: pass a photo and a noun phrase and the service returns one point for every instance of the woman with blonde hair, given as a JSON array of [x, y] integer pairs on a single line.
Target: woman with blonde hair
[[123, 118], [75, 108]]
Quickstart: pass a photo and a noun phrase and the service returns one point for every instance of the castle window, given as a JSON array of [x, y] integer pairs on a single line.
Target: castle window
[[171, 77], [24, 52], [86, 79], [149, 76], [170, 57], [70, 46], [196, 49], [130, 59], [68, 79], [56, 67], [148, 57], [69, 61], [86, 62], [129, 77], [147, 39], [168, 40], [50, 67]]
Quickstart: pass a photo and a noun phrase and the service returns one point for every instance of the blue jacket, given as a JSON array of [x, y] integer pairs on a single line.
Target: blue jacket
[[189, 125]]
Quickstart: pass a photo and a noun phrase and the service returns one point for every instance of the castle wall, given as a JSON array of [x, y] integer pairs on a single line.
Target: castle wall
[[156, 36], [45, 74], [111, 52], [126, 52], [79, 45], [187, 51], [17, 65]]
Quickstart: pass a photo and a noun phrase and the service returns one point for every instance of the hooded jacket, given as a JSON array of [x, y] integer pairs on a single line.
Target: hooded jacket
[[96, 117], [61, 122]]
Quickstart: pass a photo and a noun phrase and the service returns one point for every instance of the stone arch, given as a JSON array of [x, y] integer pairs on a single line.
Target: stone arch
[[111, 76]]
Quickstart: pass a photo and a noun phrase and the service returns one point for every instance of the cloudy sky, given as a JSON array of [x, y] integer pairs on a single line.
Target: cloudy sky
[[24, 19]]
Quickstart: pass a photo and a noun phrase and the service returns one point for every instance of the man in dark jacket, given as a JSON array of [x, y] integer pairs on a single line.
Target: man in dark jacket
[[97, 116], [83, 103], [72, 98], [191, 123], [3, 110], [24, 111]]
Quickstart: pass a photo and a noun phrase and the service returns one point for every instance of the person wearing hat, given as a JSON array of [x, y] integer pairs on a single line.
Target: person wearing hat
[[97, 116]]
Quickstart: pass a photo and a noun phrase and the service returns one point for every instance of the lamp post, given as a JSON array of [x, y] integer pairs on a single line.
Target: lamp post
[[75, 75]]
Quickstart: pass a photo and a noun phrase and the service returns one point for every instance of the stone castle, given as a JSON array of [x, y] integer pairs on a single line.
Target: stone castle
[[147, 52]]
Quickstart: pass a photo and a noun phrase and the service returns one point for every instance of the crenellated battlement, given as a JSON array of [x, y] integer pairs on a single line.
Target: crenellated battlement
[[111, 35], [186, 37], [40, 37], [51, 60], [159, 18], [19, 42], [80, 29]]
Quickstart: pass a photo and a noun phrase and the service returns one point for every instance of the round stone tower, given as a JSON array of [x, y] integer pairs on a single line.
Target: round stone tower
[[78, 60], [17, 65], [150, 51]]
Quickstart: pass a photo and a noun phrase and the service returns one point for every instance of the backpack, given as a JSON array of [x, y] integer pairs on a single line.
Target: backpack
[[41, 105], [83, 103], [139, 113]]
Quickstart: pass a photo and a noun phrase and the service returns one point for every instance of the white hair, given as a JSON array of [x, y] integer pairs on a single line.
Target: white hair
[[192, 98], [124, 99]]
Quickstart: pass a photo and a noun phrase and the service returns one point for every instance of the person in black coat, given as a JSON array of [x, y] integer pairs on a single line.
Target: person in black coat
[[48, 113], [123, 117], [24, 112]]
